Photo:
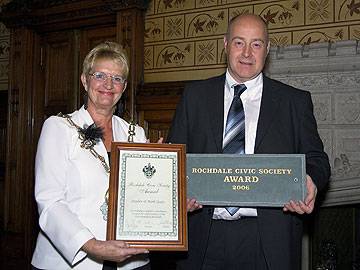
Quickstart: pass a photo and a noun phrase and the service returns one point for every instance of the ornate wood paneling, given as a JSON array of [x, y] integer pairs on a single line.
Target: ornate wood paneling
[[3, 122], [49, 40], [57, 57], [18, 200], [156, 104]]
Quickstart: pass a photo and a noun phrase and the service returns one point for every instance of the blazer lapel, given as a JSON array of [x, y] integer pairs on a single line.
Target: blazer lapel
[[270, 103], [215, 107]]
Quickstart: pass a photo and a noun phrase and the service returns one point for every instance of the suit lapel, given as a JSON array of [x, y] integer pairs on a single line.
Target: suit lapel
[[270, 103], [215, 107]]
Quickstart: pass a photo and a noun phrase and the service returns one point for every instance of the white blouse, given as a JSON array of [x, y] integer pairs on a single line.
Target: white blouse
[[70, 188]]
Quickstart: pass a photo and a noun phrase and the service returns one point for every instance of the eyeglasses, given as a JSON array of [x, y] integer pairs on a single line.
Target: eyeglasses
[[102, 77]]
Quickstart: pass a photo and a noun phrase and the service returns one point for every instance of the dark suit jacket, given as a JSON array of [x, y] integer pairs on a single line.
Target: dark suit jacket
[[286, 125]]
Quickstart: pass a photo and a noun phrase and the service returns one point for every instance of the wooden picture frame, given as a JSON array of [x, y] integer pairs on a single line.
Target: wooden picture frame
[[147, 195]]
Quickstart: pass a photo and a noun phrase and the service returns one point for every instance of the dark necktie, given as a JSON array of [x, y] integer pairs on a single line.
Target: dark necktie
[[234, 140]]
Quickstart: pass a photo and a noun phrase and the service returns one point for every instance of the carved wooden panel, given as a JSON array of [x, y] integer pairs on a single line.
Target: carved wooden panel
[[3, 121], [129, 33], [156, 104], [57, 59], [13, 219], [18, 201], [49, 40]]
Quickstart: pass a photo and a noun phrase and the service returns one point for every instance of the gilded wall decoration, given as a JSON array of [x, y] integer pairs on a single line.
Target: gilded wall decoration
[[319, 11], [347, 10], [174, 27], [148, 57], [154, 30], [281, 14], [355, 32], [201, 25], [221, 52], [206, 52], [206, 24], [179, 55], [233, 12], [280, 39], [164, 6], [206, 3], [233, 1], [320, 35]]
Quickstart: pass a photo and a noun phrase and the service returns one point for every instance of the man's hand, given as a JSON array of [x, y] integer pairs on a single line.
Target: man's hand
[[112, 250], [192, 205], [301, 207]]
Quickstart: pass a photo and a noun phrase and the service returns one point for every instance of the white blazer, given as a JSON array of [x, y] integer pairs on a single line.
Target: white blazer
[[70, 187]]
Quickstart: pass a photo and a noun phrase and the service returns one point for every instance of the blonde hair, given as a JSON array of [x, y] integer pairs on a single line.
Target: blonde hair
[[106, 50]]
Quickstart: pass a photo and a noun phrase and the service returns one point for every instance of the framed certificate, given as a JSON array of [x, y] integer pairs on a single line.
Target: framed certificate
[[147, 195]]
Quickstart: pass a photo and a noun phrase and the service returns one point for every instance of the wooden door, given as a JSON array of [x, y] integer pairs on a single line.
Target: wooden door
[[49, 40]]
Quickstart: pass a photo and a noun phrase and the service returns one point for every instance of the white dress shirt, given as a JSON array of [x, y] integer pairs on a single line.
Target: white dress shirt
[[70, 187], [251, 99]]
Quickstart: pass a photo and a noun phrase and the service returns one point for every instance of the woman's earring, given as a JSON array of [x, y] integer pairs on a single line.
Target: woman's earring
[[85, 99]]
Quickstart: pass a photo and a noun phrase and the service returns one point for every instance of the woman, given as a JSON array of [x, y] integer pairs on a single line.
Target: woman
[[72, 173]]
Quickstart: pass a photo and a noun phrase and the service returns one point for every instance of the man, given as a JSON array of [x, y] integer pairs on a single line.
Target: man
[[278, 120]]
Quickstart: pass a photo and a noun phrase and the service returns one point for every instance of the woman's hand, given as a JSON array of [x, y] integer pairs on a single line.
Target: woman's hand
[[112, 250], [160, 140]]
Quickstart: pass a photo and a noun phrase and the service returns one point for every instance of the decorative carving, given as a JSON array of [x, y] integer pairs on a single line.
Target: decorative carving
[[24, 16], [348, 108], [206, 3], [117, 5], [206, 24], [278, 14], [321, 36], [3, 30], [173, 5], [153, 30], [206, 52], [349, 9], [148, 57], [345, 79], [306, 81], [281, 39], [326, 137], [240, 10], [328, 256], [343, 168], [321, 110], [126, 22], [174, 27], [19, 12], [16, 5], [172, 56], [319, 10], [4, 48], [4, 70]]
